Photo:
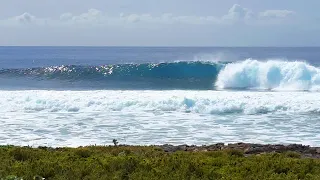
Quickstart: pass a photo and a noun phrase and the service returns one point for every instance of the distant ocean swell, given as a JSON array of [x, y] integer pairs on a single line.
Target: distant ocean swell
[[248, 74]]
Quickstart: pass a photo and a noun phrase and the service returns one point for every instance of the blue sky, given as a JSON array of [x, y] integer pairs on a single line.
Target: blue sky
[[160, 23]]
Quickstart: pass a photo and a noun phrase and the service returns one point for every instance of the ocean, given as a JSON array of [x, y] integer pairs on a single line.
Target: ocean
[[78, 96]]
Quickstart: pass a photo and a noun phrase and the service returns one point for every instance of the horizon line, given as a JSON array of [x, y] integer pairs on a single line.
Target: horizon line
[[159, 46]]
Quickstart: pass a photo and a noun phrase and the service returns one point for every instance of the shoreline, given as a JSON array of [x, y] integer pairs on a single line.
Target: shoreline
[[247, 149]]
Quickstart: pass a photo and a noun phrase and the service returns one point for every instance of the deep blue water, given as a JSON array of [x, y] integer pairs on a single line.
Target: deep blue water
[[131, 67], [25, 57]]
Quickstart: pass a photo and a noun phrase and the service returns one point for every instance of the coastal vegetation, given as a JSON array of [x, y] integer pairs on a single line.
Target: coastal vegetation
[[155, 162]]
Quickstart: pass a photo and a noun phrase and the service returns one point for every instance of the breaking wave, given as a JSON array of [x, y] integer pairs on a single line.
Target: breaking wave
[[248, 74], [275, 75]]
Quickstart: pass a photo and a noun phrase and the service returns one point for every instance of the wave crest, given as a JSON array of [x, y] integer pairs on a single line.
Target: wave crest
[[272, 74], [248, 74]]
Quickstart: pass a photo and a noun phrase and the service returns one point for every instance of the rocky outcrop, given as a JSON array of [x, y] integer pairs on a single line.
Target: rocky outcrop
[[248, 149]]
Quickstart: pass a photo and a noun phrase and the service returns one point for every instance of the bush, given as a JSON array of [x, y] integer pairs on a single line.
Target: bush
[[133, 162]]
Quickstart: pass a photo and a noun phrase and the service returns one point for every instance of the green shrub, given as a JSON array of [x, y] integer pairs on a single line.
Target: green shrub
[[235, 152], [12, 177], [292, 154], [134, 162], [83, 153]]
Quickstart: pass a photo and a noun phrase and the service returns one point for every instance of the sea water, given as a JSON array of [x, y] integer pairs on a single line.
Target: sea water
[[72, 96]]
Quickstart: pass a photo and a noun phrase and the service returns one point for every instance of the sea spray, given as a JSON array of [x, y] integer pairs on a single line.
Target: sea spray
[[272, 74]]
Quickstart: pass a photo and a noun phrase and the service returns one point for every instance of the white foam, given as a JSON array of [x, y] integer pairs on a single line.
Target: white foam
[[74, 118], [199, 102], [272, 74]]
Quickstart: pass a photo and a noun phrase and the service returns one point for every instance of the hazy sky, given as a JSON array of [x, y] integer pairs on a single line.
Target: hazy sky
[[160, 22]]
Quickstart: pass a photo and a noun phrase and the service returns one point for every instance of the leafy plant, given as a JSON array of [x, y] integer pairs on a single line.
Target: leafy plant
[[147, 162]]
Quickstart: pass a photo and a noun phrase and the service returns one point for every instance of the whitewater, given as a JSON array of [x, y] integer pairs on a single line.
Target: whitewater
[[85, 96], [74, 118], [270, 75]]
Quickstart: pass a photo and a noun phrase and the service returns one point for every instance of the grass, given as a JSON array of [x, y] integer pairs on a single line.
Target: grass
[[134, 162]]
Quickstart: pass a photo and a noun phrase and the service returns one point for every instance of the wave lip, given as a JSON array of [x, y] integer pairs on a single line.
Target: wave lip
[[266, 75]]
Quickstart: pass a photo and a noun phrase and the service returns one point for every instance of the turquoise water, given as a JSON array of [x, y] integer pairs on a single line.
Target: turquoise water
[[72, 96]]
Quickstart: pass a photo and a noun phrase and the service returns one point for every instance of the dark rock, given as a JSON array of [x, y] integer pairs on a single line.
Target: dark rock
[[168, 148], [215, 147], [249, 149]]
